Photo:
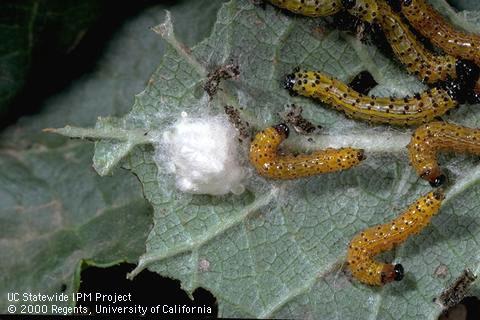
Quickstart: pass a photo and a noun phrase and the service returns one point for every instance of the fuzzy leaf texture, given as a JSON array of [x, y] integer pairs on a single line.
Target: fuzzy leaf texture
[[56, 214], [277, 250]]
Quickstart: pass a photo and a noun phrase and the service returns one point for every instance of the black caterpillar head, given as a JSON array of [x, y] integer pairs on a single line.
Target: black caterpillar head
[[289, 82], [399, 272], [283, 129], [438, 181]]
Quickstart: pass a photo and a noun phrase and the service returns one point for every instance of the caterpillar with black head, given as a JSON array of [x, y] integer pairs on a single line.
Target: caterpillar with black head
[[418, 60], [372, 241], [264, 156], [426, 20], [419, 109], [433, 137]]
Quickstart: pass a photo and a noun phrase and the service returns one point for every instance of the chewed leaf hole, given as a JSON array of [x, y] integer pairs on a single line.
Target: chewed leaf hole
[[468, 308], [148, 290]]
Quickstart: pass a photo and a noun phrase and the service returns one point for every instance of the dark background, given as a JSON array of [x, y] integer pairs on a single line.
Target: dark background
[[42, 57], [148, 289]]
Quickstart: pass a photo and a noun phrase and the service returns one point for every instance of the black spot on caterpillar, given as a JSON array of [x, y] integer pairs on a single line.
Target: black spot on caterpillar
[[269, 163], [366, 10], [412, 53], [424, 18], [418, 60], [419, 109], [372, 241], [345, 21], [433, 137], [311, 8]]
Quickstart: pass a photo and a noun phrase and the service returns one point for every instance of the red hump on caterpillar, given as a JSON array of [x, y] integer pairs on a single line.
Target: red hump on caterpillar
[[433, 137], [269, 163], [372, 241], [419, 109]]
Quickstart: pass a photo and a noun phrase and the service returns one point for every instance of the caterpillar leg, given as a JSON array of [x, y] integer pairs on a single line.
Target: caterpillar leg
[[380, 238], [311, 8], [421, 108], [426, 20], [434, 137], [269, 163]]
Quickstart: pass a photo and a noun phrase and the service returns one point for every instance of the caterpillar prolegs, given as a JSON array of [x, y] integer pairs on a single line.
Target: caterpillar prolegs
[[418, 60], [459, 76], [311, 8], [424, 18], [364, 9], [372, 241], [408, 111], [269, 163], [433, 137]]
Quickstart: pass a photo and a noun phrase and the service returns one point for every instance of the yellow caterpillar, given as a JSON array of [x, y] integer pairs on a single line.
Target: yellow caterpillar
[[269, 163], [412, 53], [418, 60], [419, 109], [364, 9], [424, 18], [433, 137], [311, 8], [372, 241]]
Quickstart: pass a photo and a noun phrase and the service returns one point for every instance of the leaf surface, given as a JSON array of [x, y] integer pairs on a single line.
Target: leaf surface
[[277, 250], [56, 214]]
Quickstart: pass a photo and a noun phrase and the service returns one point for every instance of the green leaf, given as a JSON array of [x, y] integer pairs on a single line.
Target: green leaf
[[467, 20], [56, 214], [464, 4], [277, 250]]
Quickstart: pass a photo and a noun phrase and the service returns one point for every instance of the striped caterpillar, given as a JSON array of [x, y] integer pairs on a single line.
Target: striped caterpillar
[[269, 163], [424, 18], [311, 8], [412, 53], [458, 76], [420, 109], [372, 241], [418, 60], [428, 139], [428, 67], [364, 9]]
